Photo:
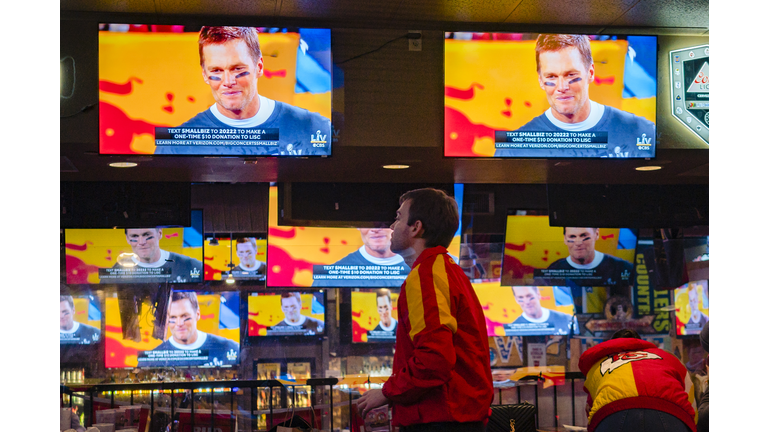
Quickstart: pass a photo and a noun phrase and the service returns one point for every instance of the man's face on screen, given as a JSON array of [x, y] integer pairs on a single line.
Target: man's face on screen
[[377, 240], [182, 319], [565, 79], [246, 253], [66, 317], [693, 299], [529, 300], [401, 240], [385, 309], [291, 308], [232, 74], [145, 243], [581, 243]]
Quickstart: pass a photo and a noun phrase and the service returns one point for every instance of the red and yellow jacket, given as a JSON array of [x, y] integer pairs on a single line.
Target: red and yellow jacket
[[632, 373], [441, 370]]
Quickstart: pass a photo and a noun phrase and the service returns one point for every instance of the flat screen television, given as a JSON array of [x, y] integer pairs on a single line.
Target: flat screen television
[[202, 329], [242, 255], [79, 320], [527, 310], [136, 255], [374, 315], [538, 254], [334, 257], [286, 313], [526, 95], [691, 307], [192, 90]]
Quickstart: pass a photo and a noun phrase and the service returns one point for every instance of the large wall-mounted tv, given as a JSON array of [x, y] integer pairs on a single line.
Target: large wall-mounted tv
[[527, 310], [286, 313], [538, 254], [522, 95], [242, 255], [202, 329], [213, 90], [136, 255]]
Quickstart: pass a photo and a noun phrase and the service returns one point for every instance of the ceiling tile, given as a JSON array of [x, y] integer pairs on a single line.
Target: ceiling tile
[[336, 9], [569, 12], [667, 13], [458, 10], [264, 8], [138, 6]]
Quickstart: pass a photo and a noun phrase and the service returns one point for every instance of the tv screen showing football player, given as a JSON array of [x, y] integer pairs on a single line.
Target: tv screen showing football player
[[244, 256], [691, 307], [538, 254], [214, 90], [536, 95], [527, 310], [374, 315], [202, 329], [136, 255], [287, 313], [79, 320]]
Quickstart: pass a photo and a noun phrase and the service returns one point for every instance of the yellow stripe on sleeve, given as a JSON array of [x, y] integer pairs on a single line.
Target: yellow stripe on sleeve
[[443, 293], [415, 303]]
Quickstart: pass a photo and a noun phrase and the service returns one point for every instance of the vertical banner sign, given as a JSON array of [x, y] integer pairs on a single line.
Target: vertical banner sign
[[646, 299], [689, 77]]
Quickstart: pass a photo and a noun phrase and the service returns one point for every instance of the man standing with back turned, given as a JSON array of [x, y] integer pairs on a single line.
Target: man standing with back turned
[[441, 379]]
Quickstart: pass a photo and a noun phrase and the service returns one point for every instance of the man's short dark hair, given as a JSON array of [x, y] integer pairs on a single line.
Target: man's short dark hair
[[384, 293], [556, 42], [68, 299], [189, 295], [221, 35], [534, 288], [294, 294], [626, 333], [438, 213], [564, 228]]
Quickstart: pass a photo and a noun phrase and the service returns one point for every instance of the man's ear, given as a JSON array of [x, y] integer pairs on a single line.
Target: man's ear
[[416, 229]]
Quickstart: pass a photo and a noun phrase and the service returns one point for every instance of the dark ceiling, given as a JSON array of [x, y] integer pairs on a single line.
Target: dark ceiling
[[356, 159]]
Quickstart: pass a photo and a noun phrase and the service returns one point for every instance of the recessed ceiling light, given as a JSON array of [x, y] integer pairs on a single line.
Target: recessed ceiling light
[[648, 168], [123, 164], [396, 166]]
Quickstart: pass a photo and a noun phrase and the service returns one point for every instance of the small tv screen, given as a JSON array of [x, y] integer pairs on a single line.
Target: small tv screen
[[529, 95], [202, 329], [527, 310], [244, 256], [214, 90], [538, 254], [374, 315], [286, 313], [691, 307], [136, 255], [79, 320]]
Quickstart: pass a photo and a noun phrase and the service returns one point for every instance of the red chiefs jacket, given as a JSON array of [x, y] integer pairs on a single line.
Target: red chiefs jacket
[[632, 373], [441, 370]]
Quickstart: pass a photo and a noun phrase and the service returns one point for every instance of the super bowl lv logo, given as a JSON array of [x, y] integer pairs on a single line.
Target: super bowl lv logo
[[617, 360]]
